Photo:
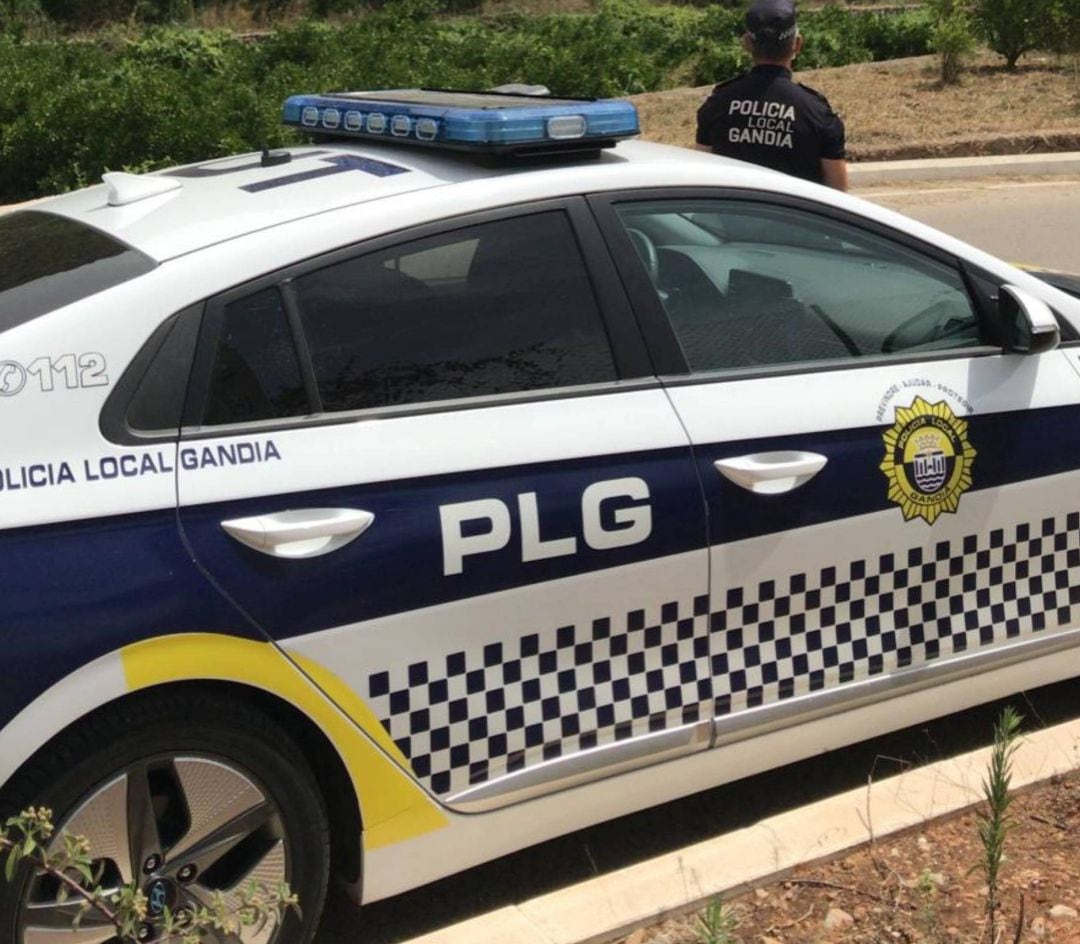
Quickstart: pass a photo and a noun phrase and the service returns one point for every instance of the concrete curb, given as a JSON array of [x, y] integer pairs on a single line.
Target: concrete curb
[[611, 906], [950, 168]]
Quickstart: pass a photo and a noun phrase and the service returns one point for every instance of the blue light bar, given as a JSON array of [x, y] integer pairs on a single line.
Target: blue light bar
[[485, 122]]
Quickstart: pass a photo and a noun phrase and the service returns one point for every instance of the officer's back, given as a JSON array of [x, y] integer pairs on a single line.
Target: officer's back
[[765, 117]]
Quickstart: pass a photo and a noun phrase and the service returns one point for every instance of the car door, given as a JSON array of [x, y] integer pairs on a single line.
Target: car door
[[892, 497], [436, 470]]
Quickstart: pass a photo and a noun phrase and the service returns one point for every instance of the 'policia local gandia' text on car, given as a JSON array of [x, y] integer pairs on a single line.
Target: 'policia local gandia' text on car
[[379, 506]]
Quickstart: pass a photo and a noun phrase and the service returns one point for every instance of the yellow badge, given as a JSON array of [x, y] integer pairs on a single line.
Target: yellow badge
[[927, 460]]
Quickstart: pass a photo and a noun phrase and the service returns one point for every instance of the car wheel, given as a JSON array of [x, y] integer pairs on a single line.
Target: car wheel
[[186, 796]]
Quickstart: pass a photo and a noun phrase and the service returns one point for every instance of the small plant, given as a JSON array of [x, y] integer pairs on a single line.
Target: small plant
[[926, 891], [28, 839], [952, 37], [717, 925], [995, 821]]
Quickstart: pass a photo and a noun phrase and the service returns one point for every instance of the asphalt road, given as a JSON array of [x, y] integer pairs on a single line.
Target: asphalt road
[[1031, 221]]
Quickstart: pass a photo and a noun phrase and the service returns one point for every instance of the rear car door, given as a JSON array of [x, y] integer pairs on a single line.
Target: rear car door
[[436, 470], [892, 498]]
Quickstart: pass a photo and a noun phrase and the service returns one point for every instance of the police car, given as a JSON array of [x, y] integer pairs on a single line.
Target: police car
[[377, 507]]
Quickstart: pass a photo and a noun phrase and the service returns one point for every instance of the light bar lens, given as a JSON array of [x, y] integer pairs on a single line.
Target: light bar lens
[[566, 127], [464, 121]]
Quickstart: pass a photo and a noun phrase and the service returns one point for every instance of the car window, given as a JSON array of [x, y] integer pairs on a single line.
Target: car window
[[49, 261], [494, 308], [747, 284], [255, 373]]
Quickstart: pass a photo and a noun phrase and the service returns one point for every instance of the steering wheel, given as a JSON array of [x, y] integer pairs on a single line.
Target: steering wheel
[[935, 323], [646, 250]]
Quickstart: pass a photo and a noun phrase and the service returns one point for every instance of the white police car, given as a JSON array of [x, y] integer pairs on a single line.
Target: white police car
[[381, 509]]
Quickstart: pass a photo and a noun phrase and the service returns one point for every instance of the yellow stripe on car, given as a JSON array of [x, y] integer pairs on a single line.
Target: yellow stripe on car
[[394, 808]]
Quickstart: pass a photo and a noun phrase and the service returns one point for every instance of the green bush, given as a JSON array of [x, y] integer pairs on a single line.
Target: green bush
[[897, 35], [183, 49], [836, 36], [162, 95], [19, 17], [952, 37]]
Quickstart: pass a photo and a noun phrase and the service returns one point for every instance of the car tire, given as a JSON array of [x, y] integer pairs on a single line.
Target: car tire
[[222, 796]]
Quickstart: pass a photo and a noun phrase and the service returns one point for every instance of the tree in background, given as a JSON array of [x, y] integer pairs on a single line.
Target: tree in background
[[1063, 34], [952, 37], [1014, 27]]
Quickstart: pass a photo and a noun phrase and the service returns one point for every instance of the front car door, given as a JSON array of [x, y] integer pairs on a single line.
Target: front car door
[[893, 501]]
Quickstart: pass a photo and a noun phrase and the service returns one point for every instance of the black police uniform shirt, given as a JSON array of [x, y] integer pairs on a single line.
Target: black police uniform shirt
[[764, 117]]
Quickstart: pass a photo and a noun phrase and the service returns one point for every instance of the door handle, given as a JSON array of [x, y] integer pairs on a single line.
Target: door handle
[[771, 473], [306, 532]]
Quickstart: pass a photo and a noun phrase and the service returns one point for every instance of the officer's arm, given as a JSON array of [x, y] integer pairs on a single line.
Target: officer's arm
[[834, 173]]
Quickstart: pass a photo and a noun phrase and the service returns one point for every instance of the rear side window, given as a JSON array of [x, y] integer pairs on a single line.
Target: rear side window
[[49, 261], [495, 308], [255, 374]]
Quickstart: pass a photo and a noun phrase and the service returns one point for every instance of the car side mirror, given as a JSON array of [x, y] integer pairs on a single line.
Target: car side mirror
[[1030, 325]]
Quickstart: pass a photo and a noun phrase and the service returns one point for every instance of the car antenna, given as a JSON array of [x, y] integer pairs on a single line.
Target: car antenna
[[273, 158]]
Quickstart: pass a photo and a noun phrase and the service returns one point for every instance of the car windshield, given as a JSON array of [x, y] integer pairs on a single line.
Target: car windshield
[[49, 261]]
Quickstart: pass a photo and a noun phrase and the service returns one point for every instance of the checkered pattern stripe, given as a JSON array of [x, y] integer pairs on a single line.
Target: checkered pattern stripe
[[816, 631], [476, 715]]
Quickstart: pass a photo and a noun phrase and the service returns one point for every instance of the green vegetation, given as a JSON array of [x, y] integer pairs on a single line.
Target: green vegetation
[[1012, 27], [952, 37], [716, 924], [995, 821], [153, 96], [28, 846]]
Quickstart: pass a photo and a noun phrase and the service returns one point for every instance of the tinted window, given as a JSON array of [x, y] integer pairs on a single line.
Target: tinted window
[[752, 284], [159, 397], [494, 308], [255, 373], [48, 261]]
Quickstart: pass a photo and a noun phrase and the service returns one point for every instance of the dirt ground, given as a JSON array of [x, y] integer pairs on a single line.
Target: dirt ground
[[921, 887], [899, 109]]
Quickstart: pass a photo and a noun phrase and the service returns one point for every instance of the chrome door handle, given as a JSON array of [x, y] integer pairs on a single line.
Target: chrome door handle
[[306, 532], [771, 473]]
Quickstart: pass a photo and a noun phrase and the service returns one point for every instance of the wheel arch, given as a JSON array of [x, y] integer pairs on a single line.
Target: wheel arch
[[322, 757], [336, 732]]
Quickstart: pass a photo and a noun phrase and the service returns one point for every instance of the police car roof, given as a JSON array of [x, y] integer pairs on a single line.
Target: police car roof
[[231, 197]]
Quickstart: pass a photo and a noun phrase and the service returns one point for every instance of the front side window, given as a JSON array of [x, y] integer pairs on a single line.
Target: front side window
[[494, 308], [751, 284]]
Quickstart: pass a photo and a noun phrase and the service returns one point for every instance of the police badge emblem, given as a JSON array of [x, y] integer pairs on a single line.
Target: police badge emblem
[[927, 460]]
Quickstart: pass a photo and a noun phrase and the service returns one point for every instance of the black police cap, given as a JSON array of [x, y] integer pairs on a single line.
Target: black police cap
[[772, 20]]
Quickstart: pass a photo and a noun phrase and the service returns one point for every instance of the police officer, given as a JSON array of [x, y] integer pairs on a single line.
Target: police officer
[[764, 117]]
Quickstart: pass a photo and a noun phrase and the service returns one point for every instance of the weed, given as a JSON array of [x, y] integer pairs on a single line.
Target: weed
[[926, 892], [994, 822], [716, 924]]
